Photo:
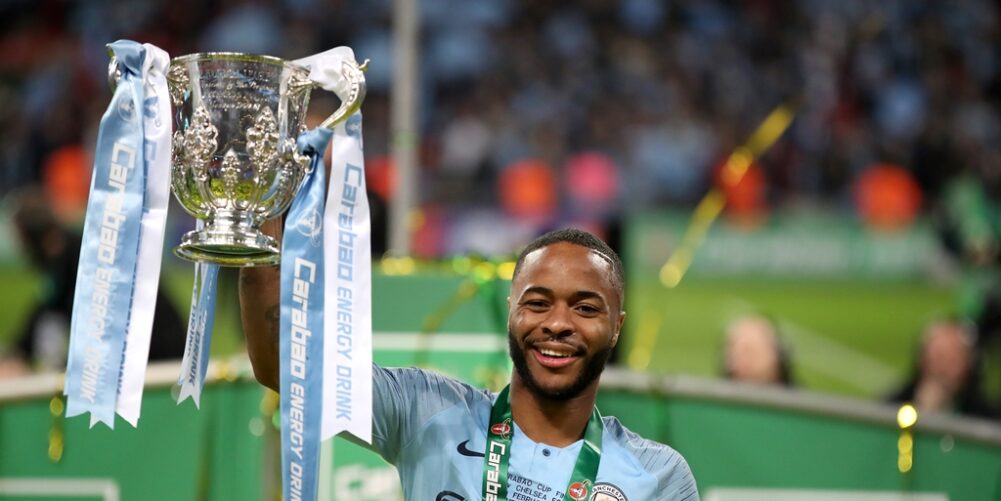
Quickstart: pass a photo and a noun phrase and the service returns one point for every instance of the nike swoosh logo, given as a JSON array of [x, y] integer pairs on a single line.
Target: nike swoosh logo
[[464, 450]]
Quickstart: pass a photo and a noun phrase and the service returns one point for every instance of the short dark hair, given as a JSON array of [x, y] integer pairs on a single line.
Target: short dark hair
[[584, 239]]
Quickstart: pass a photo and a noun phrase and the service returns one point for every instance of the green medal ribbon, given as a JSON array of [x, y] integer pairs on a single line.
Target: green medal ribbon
[[498, 454]]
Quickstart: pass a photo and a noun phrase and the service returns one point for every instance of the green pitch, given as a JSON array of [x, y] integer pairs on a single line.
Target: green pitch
[[21, 289]]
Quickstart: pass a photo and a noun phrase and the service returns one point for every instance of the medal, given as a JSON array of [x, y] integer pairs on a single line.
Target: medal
[[498, 454]]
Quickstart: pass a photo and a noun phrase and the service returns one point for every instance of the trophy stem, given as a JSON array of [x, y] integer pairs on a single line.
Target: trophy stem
[[229, 238]]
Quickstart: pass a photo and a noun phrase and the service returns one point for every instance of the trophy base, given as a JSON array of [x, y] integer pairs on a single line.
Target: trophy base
[[242, 248]]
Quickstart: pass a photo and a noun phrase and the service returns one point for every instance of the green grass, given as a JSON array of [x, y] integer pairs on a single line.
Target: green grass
[[21, 289]]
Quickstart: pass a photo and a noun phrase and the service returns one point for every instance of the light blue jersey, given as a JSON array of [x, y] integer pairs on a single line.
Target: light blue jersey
[[434, 429]]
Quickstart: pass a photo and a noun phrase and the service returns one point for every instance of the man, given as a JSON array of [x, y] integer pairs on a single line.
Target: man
[[541, 438]]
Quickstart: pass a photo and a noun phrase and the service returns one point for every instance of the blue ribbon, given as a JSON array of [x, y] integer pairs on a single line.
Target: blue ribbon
[[106, 275], [301, 330], [206, 312], [199, 337]]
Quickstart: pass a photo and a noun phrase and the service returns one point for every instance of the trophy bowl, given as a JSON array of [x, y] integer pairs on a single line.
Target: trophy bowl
[[234, 160]]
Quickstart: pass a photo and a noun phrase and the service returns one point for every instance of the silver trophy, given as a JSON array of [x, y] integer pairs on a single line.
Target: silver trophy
[[235, 163]]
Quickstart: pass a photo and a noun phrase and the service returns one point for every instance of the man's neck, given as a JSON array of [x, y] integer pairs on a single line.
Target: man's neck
[[554, 422]]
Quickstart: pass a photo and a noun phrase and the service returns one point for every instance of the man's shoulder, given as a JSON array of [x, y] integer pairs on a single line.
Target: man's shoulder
[[652, 455], [416, 406], [432, 384], [660, 461]]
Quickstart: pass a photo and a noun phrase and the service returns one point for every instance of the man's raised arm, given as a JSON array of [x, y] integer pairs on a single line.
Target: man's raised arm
[[260, 313]]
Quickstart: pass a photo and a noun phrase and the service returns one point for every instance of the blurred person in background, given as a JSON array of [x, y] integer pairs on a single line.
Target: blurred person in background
[[946, 377], [989, 344], [967, 216], [54, 252], [754, 353]]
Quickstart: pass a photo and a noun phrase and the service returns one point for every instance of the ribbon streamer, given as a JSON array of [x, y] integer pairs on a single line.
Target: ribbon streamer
[[111, 325], [302, 319], [201, 320], [347, 378], [156, 148]]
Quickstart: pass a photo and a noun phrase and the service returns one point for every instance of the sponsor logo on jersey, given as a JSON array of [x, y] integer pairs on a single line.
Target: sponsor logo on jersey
[[577, 491], [464, 449], [502, 429]]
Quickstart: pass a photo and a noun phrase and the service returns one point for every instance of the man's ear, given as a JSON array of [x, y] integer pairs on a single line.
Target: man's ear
[[508, 319], [618, 328]]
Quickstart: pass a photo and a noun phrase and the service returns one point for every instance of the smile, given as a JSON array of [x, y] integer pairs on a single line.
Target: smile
[[554, 359], [554, 353]]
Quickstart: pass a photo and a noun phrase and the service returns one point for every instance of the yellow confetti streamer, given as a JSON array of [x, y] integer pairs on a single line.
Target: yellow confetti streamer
[[712, 204], [705, 214]]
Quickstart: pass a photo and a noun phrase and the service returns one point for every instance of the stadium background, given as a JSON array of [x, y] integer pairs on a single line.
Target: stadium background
[[616, 116]]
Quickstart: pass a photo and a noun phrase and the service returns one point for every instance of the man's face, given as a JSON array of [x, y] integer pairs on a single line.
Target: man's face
[[752, 354], [947, 357], [564, 319]]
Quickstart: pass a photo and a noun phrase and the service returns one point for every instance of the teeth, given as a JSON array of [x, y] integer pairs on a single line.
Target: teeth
[[553, 353]]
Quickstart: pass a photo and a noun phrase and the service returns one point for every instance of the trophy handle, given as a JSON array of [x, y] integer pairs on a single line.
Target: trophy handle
[[354, 75], [114, 74]]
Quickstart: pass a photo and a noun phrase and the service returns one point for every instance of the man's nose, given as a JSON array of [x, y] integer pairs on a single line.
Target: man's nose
[[558, 322]]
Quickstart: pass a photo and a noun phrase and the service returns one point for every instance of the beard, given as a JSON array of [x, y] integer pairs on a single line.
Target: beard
[[593, 367]]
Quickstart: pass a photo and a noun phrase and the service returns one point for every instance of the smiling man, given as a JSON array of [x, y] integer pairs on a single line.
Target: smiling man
[[539, 439]]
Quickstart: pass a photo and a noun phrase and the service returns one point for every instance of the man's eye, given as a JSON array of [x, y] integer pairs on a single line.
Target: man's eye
[[535, 304], [588, 309]]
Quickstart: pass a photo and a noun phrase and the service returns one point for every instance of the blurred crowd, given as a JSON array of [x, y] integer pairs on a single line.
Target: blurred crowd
[[535, 114]]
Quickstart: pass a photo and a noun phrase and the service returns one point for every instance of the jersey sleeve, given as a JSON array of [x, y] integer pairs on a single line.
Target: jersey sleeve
[[678, 483], [675, 481], [674, 478], [403, 399]]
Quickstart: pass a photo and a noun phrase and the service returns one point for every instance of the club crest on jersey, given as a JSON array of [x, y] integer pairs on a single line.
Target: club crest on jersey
[[578, 490], [607, 492], [501, 429]]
